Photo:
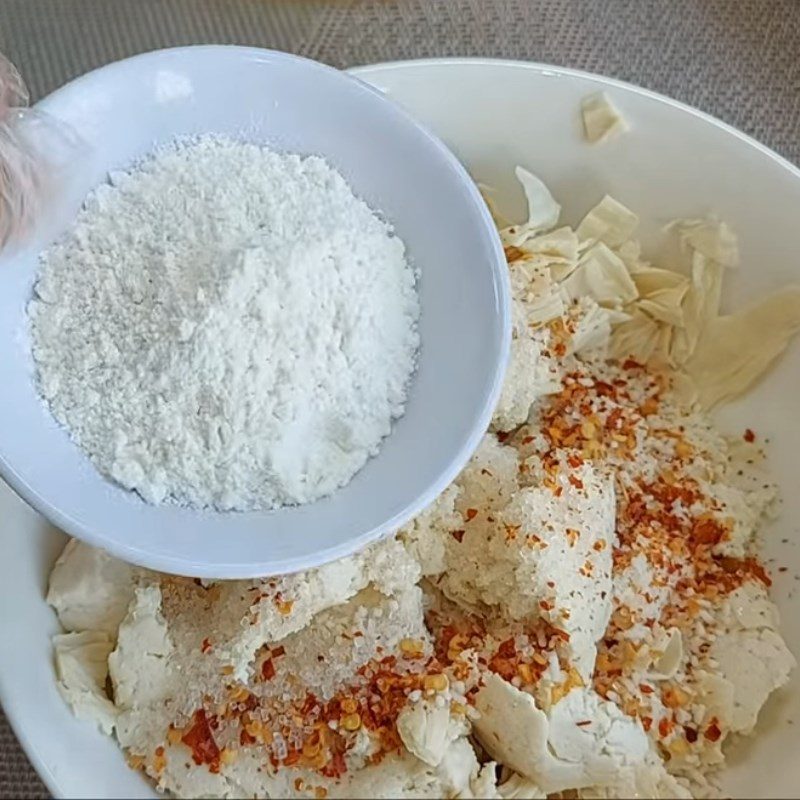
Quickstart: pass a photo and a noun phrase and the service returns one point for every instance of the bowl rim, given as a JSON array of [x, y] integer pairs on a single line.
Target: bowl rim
[[456, 461]]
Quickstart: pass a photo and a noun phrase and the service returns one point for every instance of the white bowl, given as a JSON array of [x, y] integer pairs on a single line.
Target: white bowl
[[121, 112], [674, 161]]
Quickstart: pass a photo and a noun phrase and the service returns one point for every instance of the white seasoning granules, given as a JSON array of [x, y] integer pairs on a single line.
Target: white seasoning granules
[[226, 326]]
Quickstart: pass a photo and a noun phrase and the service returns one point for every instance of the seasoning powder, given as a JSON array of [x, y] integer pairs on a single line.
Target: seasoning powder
[[226, 326]]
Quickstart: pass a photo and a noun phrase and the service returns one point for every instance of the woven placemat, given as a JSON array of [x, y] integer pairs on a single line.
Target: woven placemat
[[736, 59]]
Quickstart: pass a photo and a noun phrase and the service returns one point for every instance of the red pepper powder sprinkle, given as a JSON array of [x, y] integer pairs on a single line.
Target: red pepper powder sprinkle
[[308, 732], [513, 254], [199, 739], [589, 421], [713, 732], [268, 670], [663, 514], [502, 658]]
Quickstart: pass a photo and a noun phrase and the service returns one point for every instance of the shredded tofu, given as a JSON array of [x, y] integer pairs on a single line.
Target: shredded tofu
[[584, 606], [601, 120]]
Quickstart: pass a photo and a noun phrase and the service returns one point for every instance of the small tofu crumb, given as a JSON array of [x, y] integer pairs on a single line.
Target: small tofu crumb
[[601, 120]]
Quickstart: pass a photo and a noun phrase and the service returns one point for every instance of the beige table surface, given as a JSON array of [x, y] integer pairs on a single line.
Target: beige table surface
[[737, 59]]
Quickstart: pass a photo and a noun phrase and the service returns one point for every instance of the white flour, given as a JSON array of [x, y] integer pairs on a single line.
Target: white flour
[[226, 326]]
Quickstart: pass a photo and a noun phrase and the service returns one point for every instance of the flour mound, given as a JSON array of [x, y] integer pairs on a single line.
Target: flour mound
[[226, 326]]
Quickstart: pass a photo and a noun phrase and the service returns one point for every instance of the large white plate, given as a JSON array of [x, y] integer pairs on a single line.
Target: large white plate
[[495, 115]]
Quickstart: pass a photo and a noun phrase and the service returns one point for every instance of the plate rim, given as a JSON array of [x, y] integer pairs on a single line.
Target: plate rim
[[552, 70]]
